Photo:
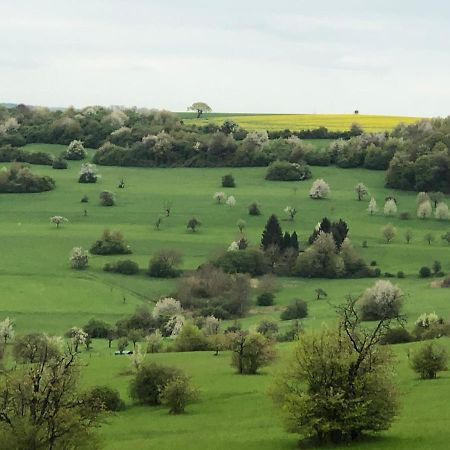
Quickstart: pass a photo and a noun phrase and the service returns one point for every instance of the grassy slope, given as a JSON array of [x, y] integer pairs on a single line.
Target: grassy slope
[[40, 292], [302, 121]]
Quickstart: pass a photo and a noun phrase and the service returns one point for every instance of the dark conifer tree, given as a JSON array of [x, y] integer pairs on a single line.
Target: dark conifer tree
[[294, 241], [272, 234], [325, 227], [339, 231], [286, 243]]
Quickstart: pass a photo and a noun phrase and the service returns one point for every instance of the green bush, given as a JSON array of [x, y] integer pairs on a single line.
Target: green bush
[[228, 181], [96, 328], [249, 261], [286, 171], [429, 360], [111, 243], [107, 198], [425, 272], [59, 163], [400, 274], [164, 264], [104, 397], [177, 393], [148, 384], [265, 299], [296, 310], [253, 209], [19, 179], [398, 335], [125, 267]]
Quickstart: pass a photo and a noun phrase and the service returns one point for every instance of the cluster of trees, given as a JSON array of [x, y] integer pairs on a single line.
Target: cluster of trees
[[18, 178]]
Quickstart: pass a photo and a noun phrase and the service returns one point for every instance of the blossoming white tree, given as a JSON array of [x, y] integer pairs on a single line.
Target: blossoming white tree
[[220, 197], [75, 151], [234, 246], [174, 325], [319, 189], [58, 220], [231, 201], [78, 337], [424, 210], [166, 308], [390, 207], [290, 211], [372, 208], [7, 330], [212, 325], [442, 212], [361, 191], [426, 320]]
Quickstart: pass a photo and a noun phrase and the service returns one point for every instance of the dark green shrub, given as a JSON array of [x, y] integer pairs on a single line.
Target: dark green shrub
[[249, 261], [107, 198], [97, 328], [104, 397], [265, 299], [296, 310], [405, 216], [398, 335], [424, 272], [147, 385], [400, 274], [253, 209], [164, 264], [373, 263], [59, 163], [19, 179], [111, 243], [125, 267], [286, 171], [228, 181], [84, 199], [267, 328]]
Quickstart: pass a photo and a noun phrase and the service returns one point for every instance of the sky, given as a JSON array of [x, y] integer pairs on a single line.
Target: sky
[[278, 56]]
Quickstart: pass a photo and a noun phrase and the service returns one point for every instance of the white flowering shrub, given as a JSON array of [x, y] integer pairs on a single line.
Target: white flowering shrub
[[424, 210], [212, 325], [78, 337], [372, 208], [442, 212], [166, 308], [88, 173], [234, 246], [7, 330], [78, 258], [381, 301], [319, 189], [426, 320], [10, 124], [220, 197], [231, 201], [390, 207], [75, 151]]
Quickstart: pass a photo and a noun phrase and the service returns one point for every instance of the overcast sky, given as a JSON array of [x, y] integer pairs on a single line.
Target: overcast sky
[[281, 56]]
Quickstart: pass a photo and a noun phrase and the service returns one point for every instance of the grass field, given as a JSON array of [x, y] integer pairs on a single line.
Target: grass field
[[40, 292], [295, 122]]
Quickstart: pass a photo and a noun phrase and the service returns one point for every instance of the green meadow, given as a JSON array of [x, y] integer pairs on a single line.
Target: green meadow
[[334, 122], [41, 293]]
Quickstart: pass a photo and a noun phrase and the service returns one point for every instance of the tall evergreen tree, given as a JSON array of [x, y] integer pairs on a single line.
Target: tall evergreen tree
[[325, 227], [272, 234], [339, 231], [286, 243], [294, 241]]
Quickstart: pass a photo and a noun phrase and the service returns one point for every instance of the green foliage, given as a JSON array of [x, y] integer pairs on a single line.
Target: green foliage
[[228, 181], [125, 267], [148, 384], [265, 299], [107, 198], [296, 310], [111, 243], [97, 328], [251, 351], [191, 339], [251, 261], [164, 264], [108, 398], [19, 179], [254, 209], [177, 393], [425, 272], [286, 171], [429, 360], [272, 234], [398, 335]]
